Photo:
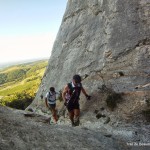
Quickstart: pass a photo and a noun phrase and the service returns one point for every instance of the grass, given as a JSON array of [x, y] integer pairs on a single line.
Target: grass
[[19, 88], [10, 69]]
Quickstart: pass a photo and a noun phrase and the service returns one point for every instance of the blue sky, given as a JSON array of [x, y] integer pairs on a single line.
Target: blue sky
[[28, 28]]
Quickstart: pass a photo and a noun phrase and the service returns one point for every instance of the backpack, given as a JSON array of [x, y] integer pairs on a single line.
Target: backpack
[[74, 92], [50, 98]]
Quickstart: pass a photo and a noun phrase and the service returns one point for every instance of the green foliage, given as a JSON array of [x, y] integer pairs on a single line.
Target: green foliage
[[3, 78], [20, 101], [146, 114], [148, 101], [20, 83], [15, 75], [35, 68]]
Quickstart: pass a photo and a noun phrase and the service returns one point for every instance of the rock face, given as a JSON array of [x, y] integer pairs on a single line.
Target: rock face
[[20, 133], [107, 42]]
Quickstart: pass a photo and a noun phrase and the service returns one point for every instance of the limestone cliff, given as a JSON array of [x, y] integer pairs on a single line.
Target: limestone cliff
[[107, 42]]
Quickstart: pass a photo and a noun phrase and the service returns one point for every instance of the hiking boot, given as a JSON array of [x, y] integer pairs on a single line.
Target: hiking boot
[[52, 122], [72, 123], [77, 123]]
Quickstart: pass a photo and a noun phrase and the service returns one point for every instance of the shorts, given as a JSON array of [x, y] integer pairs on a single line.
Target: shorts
[[71, 106], [52, 106]]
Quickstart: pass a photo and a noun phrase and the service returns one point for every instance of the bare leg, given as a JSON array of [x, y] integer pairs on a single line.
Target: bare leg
[[71, 116], [54, 114], [76, 116]]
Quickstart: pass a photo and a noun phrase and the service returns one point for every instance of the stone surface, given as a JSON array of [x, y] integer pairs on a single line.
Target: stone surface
[[18, 132], [33, 131], [108, 42]]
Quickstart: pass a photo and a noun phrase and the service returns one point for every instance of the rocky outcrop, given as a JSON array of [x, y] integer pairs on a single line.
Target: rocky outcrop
[[107, 42], [21, 133]]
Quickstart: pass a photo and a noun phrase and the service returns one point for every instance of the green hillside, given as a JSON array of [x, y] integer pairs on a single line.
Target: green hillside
[[19, 83]]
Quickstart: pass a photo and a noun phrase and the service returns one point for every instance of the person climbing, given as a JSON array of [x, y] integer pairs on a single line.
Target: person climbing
[[50, 101], [71, 96]]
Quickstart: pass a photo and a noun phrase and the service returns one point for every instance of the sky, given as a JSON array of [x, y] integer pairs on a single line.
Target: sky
[[28, 28]]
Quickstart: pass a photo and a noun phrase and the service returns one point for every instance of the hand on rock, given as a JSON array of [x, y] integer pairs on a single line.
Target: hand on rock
[[88, 97]]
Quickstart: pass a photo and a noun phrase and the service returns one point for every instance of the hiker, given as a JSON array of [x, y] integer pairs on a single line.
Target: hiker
[[50, 101], [71, 96]]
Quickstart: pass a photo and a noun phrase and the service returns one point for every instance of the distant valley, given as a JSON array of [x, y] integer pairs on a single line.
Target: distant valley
[[9, 64], [19, 83]]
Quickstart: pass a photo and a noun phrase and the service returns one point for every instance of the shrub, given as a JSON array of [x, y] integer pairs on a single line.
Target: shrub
[[19, 104], [112, 100], [121, 73], [21, 101], [146, 114], [13, 75], [3, 78], [147, 101]]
